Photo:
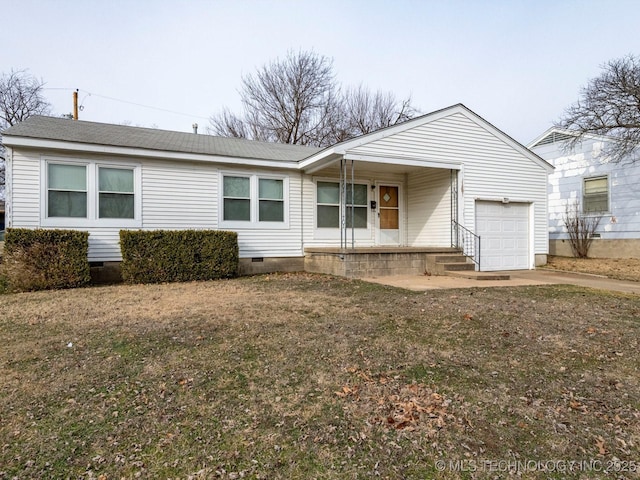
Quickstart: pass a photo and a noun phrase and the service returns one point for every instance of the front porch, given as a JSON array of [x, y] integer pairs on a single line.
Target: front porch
[[367, 262]]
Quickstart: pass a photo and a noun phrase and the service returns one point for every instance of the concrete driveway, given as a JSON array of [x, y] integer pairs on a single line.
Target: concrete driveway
[[518, 278]]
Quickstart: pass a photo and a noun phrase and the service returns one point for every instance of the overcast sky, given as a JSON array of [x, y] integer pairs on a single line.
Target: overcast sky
[[518, 64]]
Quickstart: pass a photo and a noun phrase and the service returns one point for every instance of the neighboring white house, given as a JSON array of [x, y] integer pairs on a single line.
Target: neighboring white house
[[584, 175], [402, 186]]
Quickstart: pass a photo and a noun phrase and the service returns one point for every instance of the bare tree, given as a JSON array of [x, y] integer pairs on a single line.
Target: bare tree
[[609, 105], [20, 97], [580, 228], [286, 101], [366, 111], [297, 100]]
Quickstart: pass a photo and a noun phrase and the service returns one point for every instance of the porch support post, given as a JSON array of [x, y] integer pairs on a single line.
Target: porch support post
[[453, 187], [353, 236], [343, 203]]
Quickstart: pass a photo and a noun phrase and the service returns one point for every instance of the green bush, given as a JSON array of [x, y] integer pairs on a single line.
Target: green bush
[[178, 255], [45, 259]]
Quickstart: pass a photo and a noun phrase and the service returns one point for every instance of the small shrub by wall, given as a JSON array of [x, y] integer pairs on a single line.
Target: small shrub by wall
[[178, 255], [44, 259]]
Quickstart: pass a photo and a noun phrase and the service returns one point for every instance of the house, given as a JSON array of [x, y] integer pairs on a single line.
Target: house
[[1, 215], [373, 205], [609, 190]]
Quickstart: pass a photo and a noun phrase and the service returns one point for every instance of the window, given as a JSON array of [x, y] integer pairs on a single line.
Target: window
[[328, 195], [81, 194], [270, 197], [67, 190], [116, 196], [595, 197], [237, 198], [253, 201], [328, 205]]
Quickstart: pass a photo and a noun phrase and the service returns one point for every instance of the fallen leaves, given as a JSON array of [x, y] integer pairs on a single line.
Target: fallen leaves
[[390, 402], [602, 450]]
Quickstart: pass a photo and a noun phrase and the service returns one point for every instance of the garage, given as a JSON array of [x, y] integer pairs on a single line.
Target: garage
[[504, 232]]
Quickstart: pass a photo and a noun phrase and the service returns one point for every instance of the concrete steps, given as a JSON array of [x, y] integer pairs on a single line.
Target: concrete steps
[[473, 275], [458, 265]]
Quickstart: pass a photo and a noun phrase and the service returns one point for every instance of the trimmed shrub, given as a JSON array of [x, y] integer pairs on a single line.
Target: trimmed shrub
[[45, 259], [178, 255]]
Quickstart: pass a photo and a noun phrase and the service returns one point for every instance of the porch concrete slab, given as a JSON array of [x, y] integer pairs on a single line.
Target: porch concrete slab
[[517, 278]]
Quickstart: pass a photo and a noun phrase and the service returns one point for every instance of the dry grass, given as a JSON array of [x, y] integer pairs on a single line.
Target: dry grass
[[619, 268], [306, 376]]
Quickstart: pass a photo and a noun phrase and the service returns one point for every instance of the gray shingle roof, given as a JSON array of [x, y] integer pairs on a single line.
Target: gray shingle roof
[[79, 131]]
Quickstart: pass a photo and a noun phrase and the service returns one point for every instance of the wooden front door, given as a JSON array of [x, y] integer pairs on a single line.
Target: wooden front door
[[388, 215]]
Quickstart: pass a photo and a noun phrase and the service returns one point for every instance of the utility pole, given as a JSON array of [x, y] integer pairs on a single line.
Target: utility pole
[[75, 105]]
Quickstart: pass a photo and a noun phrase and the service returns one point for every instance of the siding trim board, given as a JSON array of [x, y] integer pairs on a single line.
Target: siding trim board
[[180, 189]]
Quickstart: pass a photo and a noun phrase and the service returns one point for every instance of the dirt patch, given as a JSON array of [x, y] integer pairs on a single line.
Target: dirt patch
[[618, 268]]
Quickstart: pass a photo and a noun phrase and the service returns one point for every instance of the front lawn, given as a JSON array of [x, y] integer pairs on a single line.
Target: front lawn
[[309, 376]]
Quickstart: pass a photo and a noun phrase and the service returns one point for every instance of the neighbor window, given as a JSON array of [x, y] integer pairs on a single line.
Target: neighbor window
[[328, 205], [254, 200], [116, 196], [595, 197], [67, 190]]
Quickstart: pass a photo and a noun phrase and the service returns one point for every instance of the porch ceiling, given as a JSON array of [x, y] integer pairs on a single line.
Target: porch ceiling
[[369, 167], [382, 165]]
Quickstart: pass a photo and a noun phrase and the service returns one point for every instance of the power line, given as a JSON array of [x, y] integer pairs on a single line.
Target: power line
[[91, 94]]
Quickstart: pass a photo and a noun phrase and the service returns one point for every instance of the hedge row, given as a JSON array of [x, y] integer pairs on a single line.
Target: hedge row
[[178, 255], [45, 259], [48, 259]]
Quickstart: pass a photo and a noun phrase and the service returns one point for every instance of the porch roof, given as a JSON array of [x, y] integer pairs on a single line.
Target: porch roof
[[381, 164]]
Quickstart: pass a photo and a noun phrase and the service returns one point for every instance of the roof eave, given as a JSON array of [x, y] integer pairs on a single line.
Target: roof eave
[[62, 145]]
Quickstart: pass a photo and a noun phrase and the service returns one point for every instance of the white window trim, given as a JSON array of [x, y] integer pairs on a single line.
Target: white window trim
[[604, 212], [92, 219], [363, 234], [254, 223]]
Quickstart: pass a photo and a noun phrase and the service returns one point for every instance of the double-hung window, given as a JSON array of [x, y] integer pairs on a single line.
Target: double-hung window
[[66, 190], [253, 201], [595, 195], [237, 198], [82, 194], [328, 205], [270, 200], [116, 193]]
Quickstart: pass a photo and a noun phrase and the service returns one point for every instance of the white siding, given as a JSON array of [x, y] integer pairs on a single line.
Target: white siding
[[179, 195], [283, 242], [429, 208], [492, 168], [566, 183], [25, 190], [175, 195]]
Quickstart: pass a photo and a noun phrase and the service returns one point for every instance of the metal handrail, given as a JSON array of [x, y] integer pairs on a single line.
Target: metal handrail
[[467, 241]]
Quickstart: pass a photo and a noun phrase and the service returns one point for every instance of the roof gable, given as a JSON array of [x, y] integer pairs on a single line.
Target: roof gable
[[348, 145]]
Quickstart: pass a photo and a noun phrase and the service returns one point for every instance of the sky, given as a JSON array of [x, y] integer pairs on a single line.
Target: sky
[[169, 64]]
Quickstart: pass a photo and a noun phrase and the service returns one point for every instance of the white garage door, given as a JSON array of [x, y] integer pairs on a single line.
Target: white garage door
[[504, 235]]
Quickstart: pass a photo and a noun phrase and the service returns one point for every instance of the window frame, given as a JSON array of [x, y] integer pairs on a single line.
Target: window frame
[[100, 192], [85, 165], [254, 199], [331, 233], [93, 192], [224, 197], [584, 195]]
